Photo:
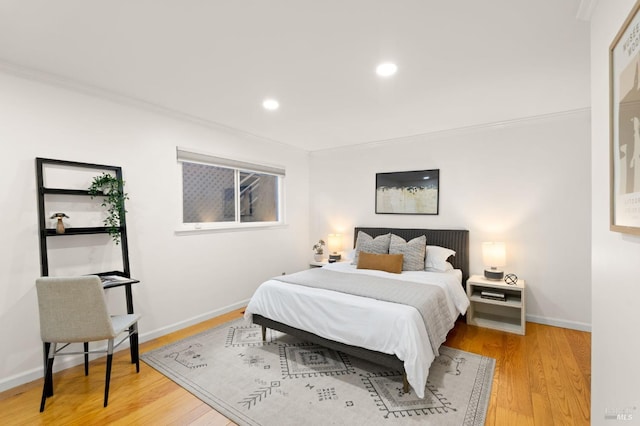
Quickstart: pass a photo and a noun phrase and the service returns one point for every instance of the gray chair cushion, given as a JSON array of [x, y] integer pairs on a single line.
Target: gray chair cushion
[[73, 309]]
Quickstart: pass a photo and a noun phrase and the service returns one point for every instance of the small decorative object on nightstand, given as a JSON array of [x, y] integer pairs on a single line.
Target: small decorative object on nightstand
[[495, 304], [511, 279]]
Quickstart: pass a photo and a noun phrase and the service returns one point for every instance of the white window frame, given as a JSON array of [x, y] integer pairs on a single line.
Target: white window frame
[[192, 156]]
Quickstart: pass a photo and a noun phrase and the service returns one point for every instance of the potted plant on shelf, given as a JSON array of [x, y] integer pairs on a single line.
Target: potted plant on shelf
[[112, 189], [318, 249]]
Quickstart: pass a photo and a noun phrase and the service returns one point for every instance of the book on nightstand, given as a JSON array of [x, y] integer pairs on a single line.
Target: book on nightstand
[[493, 295]]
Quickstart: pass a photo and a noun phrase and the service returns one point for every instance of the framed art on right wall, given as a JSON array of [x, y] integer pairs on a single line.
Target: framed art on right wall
[[624, 126]]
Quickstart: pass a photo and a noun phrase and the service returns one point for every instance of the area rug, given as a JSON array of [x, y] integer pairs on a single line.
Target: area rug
[[286, 381]]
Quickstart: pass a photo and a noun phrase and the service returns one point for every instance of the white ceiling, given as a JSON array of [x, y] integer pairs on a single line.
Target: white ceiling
[[460, 62]]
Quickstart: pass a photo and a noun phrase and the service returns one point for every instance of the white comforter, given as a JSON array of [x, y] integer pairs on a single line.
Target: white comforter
[[381, 326]]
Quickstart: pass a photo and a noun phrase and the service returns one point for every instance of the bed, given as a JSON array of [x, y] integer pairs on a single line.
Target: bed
[[386, 333]]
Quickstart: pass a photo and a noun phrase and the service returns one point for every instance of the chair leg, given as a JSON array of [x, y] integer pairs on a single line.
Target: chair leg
[[108, 375], [48, 375], [49, 386], [135, 353], [132, 350], [86, 358]]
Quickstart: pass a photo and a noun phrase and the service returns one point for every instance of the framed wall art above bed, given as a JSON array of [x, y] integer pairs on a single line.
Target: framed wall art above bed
[[415, 192]]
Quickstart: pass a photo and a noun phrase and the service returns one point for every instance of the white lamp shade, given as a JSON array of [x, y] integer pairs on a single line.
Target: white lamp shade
[[494, 254], [334, 243]]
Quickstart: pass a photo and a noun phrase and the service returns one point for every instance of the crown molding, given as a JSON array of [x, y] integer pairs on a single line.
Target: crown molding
[[460, 130], [73, 85], [585, 10]]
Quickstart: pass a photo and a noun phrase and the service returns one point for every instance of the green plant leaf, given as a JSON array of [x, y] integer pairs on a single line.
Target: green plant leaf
[[112, 191]]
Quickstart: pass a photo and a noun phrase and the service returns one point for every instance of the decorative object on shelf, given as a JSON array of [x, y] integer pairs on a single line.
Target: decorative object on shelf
[[60, 224], [318, 248], [112, 189], [511, 279], [334, 243], [493, 257], [415, 192]]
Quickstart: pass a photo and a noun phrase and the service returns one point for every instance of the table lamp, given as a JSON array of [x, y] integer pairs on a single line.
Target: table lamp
[[334, 243], [493, 257]]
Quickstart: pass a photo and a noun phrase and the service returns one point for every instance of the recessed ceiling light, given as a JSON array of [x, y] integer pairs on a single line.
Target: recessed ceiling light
[[386, 69], [270, 104]]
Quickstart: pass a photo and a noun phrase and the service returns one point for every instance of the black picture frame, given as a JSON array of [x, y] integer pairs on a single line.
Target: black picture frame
[[411, 192]]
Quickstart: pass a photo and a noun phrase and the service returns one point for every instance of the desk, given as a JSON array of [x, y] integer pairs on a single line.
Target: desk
[[109, 280]]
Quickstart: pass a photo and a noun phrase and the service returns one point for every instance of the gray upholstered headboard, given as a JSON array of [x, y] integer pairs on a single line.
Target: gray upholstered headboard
[[454, 239]]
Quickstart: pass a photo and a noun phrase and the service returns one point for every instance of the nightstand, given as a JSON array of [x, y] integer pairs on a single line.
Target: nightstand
[[506, 315], [321, 263]]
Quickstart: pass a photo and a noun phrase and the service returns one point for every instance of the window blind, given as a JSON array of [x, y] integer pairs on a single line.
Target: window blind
[[196, 157]]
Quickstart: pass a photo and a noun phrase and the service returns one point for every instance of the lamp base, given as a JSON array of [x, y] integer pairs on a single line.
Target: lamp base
[[334, 258], [493, 274]]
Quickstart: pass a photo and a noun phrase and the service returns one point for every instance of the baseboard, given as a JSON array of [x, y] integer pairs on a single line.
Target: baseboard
[[145, 337], [573, 325], [71, 361]]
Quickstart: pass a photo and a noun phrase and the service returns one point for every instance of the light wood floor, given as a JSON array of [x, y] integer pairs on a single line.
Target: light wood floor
[[543, 378]]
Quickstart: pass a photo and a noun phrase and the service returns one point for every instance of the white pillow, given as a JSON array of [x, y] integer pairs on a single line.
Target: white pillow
[[448, 267], [350, 255], [436, 258]]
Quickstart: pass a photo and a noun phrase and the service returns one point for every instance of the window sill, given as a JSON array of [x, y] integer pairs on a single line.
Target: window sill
[[234, 227]]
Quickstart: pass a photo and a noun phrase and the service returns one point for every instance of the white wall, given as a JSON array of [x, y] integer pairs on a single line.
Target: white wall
[[184, 278], [615, 257], [526, 183]]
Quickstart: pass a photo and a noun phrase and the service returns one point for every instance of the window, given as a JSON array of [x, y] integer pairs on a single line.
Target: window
[[223, 193]]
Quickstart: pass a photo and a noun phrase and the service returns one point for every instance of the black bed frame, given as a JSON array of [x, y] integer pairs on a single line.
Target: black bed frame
[[455, 239]]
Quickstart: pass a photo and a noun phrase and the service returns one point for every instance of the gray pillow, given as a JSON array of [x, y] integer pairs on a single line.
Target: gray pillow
[[377, 245], [414, 252]]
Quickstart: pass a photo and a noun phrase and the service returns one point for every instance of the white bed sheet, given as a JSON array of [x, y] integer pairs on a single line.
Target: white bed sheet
[[381, 326]]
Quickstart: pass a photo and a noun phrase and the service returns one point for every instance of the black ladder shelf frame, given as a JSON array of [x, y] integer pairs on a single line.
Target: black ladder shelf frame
[[45, 232]]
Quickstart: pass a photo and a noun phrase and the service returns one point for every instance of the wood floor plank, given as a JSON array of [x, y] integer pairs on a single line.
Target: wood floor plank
[[542, 378], [173, 407], [576, 386], [506, 416], [562, 402], [516, 384], [542, 414], [212, 418], [580, 343]]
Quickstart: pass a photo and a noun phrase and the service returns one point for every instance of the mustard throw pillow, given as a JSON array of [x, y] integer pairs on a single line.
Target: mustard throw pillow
[[381, 262]]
